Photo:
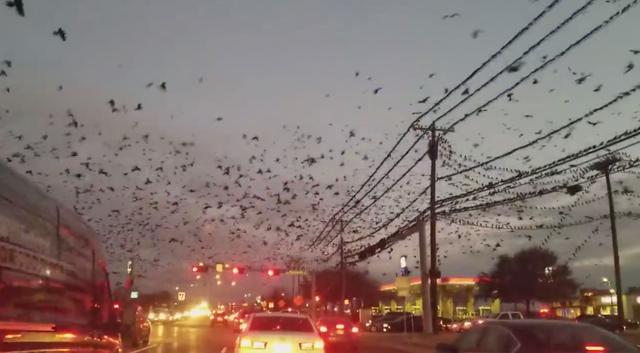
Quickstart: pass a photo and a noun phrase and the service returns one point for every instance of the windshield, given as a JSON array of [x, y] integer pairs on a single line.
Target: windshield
[[280, 323]]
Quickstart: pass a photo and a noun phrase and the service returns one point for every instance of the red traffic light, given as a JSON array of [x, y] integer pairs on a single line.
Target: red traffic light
[[272, 272], [199, 268], [194, 269], [238, 270]]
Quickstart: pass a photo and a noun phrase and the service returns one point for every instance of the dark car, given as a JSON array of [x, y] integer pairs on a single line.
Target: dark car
[[628, 324], [537, 336], [600, 321], [397, 322], [339, 334], [219, 319], [54, 282]]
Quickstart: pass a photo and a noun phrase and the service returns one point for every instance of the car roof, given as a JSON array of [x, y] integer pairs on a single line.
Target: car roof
[[280, 314], [535, 322]]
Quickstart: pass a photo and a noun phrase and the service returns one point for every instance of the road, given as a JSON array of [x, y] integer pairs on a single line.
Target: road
[[198, 337]]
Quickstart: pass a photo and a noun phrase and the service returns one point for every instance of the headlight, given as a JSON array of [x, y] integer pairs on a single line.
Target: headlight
[[385, 325], [151, 316]]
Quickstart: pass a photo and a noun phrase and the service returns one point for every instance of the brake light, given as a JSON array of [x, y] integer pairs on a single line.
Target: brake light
[[355, 329], [12, 336], [594, 348], [340, 326], [323, 329]]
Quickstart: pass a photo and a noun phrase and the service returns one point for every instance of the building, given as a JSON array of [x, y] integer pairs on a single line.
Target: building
[[599, 302], [457, 298]]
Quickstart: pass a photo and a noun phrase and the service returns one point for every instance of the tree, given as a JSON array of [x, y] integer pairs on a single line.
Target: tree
[[359, 285], [530, 274]]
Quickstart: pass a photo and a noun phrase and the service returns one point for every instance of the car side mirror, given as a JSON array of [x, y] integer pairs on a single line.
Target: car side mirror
[[446, 348]]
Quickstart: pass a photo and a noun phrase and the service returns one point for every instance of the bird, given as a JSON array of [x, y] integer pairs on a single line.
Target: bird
[[424, 100], [377, 90], [219, 118], [18, 4], [163, 86], [476, 33], [598, 88], [8, 63], [138, 107], [453, 15], [60, 33], [634, 51], [357, 73], [629, 67], [515, 67], [593, 123], [3, 73]]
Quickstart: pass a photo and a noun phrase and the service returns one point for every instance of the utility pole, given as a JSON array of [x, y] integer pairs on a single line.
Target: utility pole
[[424, 277], [433, 272], [343, 278], [604, 166]]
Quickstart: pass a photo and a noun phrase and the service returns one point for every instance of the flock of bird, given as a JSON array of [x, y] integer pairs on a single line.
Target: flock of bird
[[149, 192]]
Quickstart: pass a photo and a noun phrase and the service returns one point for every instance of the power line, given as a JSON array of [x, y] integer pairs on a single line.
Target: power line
[[398, 235], [493, 78], [436, 104], [492, 185], [546, 63]]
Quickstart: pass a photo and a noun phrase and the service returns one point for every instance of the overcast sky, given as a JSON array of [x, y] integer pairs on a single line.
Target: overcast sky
[[274, 110]]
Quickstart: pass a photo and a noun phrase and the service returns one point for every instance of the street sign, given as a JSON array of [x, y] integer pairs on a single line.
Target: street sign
[[182, 296], [404, 269], [402, 285], [134, 294]]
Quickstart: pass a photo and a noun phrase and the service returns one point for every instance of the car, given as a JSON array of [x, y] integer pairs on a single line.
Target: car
[[54, 286], [136, 330], [219, 318], [509, 315], [397, 322], [376, 323], [628, 324], [339, 334], [160, 315], [238, 320], [279, 332], [600, 321], [460, 325], [526, 336]]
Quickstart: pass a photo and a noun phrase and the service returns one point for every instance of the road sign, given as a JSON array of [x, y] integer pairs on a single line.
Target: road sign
[[182, 296], [402, 285], [134, 294]]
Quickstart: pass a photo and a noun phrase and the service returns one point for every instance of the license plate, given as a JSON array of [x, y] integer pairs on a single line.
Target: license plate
[[340, 332]]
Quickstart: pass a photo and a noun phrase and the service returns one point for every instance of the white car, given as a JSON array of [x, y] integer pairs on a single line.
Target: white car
[[279, 333]]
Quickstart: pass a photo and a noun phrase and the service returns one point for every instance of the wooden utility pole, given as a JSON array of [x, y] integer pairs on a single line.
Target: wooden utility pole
[[434, 273], [343, 277], [604, 166], [424, 277]]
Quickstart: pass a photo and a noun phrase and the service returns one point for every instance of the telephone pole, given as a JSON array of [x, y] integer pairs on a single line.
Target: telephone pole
[[604, 166], [424, 277], [343, 278], [434, 273]]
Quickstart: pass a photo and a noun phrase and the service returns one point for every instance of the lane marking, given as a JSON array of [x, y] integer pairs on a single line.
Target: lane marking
[[144, 349], [224, 350]]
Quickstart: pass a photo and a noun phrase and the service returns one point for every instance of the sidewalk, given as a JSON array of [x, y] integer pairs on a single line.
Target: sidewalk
[[408, 343]]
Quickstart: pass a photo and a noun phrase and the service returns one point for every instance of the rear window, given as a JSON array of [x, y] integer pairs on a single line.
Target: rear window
[[280, 323], [574, 338]]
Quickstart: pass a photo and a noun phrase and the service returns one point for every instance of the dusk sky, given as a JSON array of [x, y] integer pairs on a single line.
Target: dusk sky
[[186, 131]]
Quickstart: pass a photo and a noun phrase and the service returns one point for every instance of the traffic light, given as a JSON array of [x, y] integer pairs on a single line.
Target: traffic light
[[199, 269], [238, 270], [272, 272]]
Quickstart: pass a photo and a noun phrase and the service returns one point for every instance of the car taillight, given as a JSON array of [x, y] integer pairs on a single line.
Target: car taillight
[[355, 329], [594, 348], [323, 329]]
